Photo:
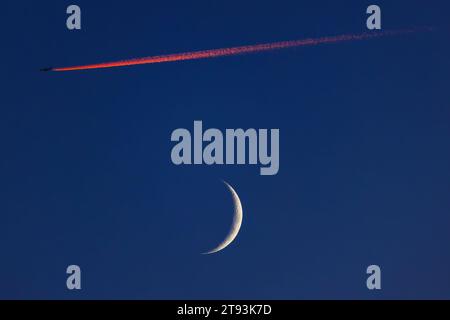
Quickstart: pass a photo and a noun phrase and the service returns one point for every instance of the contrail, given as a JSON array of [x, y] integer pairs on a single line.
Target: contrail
[[214, 53]]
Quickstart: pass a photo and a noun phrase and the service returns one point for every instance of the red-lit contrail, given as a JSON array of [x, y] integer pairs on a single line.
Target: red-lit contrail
[[214, 53]]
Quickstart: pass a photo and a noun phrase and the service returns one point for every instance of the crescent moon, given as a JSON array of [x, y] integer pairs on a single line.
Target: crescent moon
[[236, 224]]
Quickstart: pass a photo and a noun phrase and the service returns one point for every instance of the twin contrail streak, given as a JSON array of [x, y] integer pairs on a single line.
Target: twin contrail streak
[[214, 53]]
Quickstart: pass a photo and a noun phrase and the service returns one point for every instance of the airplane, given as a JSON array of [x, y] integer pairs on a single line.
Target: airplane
[[46, 69]]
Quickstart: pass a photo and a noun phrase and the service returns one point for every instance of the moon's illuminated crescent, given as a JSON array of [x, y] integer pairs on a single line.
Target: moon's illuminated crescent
[[235, 226]]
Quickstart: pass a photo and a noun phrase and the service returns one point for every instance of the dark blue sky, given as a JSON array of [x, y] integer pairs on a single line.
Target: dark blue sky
[[86, 176]]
